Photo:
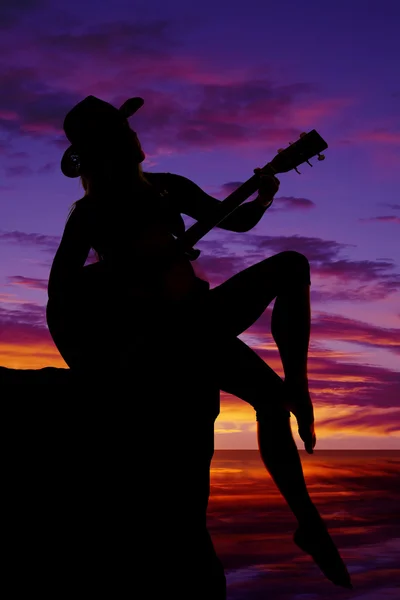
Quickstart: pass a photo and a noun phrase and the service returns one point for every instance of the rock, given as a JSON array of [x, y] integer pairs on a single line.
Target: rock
[[107, 482], [45, 376]]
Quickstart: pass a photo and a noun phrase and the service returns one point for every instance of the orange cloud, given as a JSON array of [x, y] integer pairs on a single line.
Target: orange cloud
[[236, 425]]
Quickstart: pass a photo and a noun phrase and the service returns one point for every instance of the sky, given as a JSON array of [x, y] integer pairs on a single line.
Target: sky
[[225, 85]]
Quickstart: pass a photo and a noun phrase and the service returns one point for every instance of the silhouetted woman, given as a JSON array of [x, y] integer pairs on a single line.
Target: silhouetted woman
[[132, 219]]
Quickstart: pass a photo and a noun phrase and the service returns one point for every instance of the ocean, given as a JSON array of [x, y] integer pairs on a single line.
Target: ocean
[[358, 495]]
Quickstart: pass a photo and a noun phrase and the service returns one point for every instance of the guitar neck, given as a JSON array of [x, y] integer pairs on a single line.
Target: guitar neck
[[199, 229]]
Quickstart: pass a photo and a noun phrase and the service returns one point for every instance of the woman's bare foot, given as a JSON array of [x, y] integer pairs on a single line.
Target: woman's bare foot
[[314, 539], [298, 402]]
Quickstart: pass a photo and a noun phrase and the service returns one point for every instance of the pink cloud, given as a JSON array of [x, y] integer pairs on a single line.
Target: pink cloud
[[327, 327], [8, 115], [41, 128], [383, 219], [339, 380], [333, 278], [380, 136], [317, 111], [29, 282], [381, 144], [232, 106]]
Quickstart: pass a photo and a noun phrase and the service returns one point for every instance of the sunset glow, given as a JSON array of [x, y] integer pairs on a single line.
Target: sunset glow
[[221, 96]]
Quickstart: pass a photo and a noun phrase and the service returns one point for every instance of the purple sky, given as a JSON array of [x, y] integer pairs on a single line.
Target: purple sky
[[225, 86]]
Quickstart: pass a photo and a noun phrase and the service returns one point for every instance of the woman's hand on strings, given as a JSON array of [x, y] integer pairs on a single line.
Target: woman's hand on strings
[[269, 185]]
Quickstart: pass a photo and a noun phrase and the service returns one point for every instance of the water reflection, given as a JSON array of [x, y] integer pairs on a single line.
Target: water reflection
[[358, 495]]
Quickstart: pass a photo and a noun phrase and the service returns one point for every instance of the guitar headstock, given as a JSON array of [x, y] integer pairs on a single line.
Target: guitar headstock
[[307, 146]]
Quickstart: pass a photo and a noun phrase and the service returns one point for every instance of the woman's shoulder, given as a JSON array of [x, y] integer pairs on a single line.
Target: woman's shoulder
[[155, 176], [172, 183], [159, 179], [79, 209], [81, 203]]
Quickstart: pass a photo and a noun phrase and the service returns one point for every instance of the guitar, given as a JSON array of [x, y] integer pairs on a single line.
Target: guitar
[[178, 278]]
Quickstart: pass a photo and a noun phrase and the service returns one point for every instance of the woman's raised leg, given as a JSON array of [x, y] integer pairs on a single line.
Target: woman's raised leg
[[237, 303]]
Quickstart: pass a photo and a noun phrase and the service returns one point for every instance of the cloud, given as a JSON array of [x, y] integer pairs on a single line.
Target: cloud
[[228, 188], [374, 421], [383, 219], [291, 202], [316, 249], [338, 327], [380, 135], [26, 317], [18, 171], [29, 106], [12, 12], [29, 282], [335, 378], [115, 39], [393, 206], [328, 327], [364, 280], [168, 121], [189, 102], [47, 243], [280, 202], [48, 167], [333, 277], [382, 144], [317, 111], [338, 376]]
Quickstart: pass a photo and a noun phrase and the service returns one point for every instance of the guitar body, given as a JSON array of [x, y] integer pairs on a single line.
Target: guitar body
[[167, 275], [106, 311]]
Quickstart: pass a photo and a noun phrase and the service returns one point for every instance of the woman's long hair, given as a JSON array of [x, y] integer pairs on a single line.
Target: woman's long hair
[[94, 180]]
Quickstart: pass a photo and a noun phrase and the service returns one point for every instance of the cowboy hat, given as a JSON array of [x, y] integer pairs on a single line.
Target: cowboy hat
[[90, 123]]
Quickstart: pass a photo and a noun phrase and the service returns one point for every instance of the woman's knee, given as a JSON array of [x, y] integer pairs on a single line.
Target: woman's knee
[[294, 267]]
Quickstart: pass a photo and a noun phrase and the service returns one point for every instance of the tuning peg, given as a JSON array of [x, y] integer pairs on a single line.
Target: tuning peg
[[321, 156], [302, 134], [280, 150]]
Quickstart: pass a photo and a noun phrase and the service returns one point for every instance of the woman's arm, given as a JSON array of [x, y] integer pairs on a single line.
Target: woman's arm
[[195, 203], [71, 254]]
